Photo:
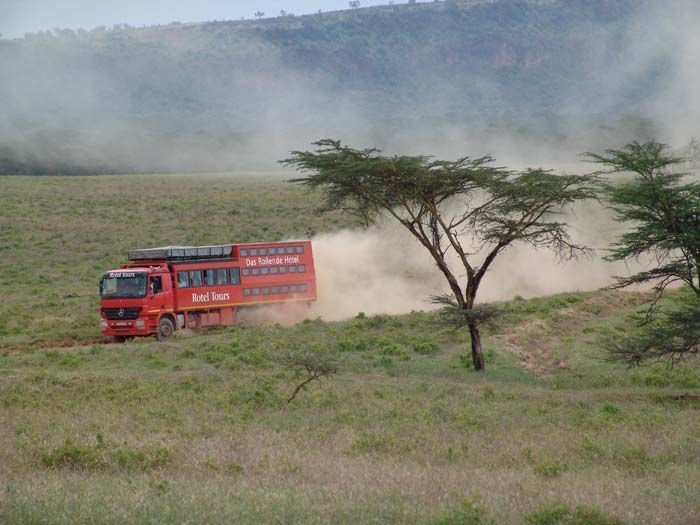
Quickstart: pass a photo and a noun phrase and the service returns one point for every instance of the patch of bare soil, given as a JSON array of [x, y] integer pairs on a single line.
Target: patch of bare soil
[[536, 342]]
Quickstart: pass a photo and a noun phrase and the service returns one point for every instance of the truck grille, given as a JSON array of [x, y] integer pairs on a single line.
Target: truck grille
[[121, 313]]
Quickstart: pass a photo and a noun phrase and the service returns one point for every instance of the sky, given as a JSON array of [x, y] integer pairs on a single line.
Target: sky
[[18, 17]]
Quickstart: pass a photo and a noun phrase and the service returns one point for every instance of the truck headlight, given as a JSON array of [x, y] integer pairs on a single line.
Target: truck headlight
[[103, 324]]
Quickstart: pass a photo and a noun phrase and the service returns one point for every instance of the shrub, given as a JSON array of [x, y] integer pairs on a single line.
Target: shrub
[[385, 361], [395, 350], [139, 460], [561, 514], [634, 459], [102, 455], [70, 362], [369, 443], [262, 393], [214, 358], [426, 348], [549, 469], [663, 376], [233, 469], [352, 345], [73, 457], [254, 358], [611, 410], [467, 513], [488, 393]]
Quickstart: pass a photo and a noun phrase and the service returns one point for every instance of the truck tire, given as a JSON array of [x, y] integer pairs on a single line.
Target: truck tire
[[166, 328]]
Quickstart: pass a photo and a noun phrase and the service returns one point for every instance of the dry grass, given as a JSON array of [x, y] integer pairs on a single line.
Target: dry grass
[[192, 431]]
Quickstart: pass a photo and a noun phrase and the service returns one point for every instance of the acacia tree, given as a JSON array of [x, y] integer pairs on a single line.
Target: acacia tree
[[663, 211], [465, 213]]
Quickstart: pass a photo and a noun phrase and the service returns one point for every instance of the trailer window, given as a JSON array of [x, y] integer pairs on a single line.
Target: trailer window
[[292, 269], [290, 249], [246, 291], [264, 270], [244, 253], [300, 249], [253, 251], [209, 277], [256, 291], [266, 290], [275, 289], [285, 289], [246, 272], [221, 276], [235, 276], [271, 251], [303, 287], [283, 269], [301, 268], [262, 251], [196, 278], [183, 280], [274, 270], [293, 288]]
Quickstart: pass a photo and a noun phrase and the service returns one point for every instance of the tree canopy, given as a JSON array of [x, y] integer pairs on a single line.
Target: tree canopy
[[464, 212], [662, 208]]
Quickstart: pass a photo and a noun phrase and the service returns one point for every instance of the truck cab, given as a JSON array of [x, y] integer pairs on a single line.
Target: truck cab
[[137, 300]]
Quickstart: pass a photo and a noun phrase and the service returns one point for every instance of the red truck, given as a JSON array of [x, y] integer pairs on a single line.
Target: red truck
[[167, 289]]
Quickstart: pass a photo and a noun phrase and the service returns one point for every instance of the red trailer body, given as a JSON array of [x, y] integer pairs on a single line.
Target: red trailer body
[[166, 289]]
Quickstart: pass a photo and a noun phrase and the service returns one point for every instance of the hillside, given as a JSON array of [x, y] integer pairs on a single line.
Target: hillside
[[211, 96]]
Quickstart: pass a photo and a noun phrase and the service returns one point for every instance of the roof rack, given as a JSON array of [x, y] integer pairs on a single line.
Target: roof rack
[[178, 253]]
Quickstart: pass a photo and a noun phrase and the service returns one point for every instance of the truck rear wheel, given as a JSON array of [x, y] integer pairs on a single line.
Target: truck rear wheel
[[166, 328]]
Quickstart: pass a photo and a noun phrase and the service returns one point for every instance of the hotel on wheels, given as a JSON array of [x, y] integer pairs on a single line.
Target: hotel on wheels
[[162, 290]]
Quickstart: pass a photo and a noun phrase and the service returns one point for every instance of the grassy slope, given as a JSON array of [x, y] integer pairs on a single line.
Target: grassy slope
[[192, 430], [58, 235]]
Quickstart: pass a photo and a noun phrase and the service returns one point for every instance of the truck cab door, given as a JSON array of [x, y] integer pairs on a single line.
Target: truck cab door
[[158, 296]]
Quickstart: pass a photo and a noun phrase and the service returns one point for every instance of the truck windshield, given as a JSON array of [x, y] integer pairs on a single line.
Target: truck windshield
[[123, 284]]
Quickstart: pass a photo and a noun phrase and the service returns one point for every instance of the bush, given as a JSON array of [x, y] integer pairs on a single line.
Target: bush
[[395, 350], [70, 362], [139, 460], [426, 348], [561, 514], [263, 393], [103, 456], [74, 457], [352, 345], [664, 376], [549, 469], [254, 358], [467, 513], [214, 358]]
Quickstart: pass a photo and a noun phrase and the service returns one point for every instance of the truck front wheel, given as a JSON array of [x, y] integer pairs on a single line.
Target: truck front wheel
[[165, 329]]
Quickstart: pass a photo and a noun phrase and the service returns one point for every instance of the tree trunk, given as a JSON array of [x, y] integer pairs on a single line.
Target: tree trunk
[[477, 353]]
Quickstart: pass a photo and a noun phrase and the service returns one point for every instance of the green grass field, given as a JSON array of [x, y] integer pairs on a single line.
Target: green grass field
[[195, 431]]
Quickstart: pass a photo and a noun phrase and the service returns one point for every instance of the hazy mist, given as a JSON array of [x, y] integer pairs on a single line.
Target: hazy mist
[[67, 105]]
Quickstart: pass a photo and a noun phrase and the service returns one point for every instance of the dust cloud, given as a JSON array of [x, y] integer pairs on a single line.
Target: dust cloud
[[383, 270]]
